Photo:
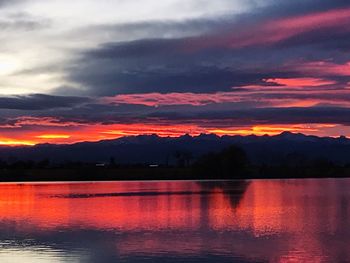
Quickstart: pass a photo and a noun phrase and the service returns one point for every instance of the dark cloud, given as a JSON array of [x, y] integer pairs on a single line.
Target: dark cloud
[[255, 116], [137, 49], [247, 113], [40, 102], [101, 113], [204, 56], [320, 95], [219, 115], [216, 58], [160, 65], [284, 8]]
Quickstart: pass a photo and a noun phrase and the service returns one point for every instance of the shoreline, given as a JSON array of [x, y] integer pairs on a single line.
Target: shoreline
[[138, 174], [155, 181]]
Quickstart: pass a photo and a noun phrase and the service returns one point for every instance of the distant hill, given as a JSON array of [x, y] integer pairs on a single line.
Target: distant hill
[[159, 150]]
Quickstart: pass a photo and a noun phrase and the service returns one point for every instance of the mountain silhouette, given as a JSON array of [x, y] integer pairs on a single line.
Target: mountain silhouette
[[146, 149]]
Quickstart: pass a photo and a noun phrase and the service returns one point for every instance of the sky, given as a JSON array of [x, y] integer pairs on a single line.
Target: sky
[[89, 70]]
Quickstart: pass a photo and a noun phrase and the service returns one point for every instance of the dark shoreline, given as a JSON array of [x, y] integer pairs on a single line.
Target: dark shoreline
[[146, 174]]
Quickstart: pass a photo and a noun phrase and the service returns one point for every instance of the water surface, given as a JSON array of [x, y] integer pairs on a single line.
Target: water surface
[[238, 221]]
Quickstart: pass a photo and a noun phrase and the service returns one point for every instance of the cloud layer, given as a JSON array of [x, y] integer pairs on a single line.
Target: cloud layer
[[229, 68]]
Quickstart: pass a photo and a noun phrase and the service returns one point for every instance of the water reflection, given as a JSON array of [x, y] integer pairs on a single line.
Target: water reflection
[[239, 221]]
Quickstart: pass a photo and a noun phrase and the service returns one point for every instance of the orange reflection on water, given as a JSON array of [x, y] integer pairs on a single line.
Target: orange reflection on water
[[266, 220], [49, 206]]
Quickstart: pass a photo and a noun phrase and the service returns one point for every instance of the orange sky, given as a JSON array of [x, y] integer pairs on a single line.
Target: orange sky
[[62, 135], [221, 75]]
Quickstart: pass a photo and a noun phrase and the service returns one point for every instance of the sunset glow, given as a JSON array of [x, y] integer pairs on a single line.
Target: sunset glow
[[173, 131], [233, 68], [53, 136], [17, 142], [108, 132], [301, 82], [265, 130]]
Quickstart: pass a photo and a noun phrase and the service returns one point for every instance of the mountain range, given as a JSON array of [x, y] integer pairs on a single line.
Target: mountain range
[[152, 149]]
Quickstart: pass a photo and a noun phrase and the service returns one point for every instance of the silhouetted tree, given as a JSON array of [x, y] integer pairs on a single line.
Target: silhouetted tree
[[230, 163], [295, 160], [112, 162], [3, 164], [183, 158], [44, 163], [323, 167], [22, 165]]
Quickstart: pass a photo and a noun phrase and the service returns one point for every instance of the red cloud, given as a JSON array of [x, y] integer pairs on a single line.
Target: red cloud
[[301, 82], [322, 68], [274, 31], [188, 98]]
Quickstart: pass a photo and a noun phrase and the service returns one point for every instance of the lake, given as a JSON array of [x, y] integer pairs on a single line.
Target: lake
[[223, 221]]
